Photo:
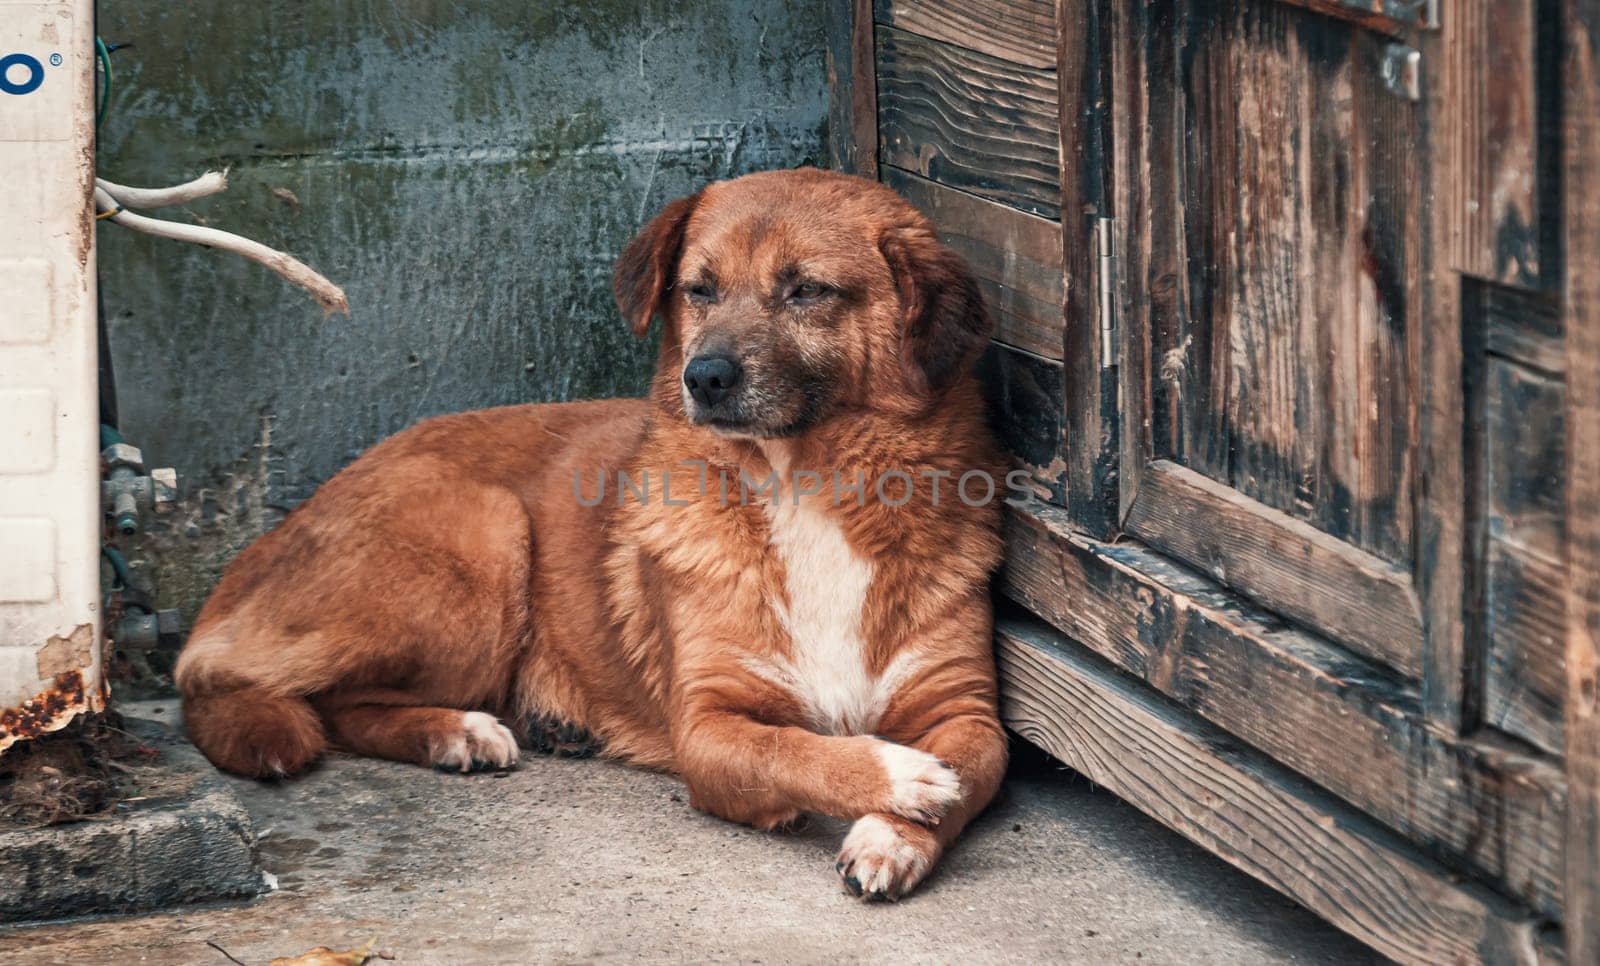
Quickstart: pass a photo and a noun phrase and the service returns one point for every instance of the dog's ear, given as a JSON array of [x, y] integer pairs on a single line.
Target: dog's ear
[[945, 324], [644, 270]]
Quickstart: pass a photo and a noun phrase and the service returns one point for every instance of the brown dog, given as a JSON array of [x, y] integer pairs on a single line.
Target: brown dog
[[784, 650]]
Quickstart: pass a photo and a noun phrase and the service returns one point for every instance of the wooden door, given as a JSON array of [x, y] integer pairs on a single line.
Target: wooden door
[[1272, 310], [1290, 338]]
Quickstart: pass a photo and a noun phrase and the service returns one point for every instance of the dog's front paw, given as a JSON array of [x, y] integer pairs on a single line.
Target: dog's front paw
[[481, 742], [921, 787], [884, 857]]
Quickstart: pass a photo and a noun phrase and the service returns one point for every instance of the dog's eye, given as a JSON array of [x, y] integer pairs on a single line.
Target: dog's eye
[[808, 292], [701, 292]]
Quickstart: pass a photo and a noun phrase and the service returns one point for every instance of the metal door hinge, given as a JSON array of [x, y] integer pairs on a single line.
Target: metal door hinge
[[1105, 252], [1402, 71]]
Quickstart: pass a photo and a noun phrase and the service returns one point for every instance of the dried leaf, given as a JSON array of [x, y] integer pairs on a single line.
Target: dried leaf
[[323, 956]]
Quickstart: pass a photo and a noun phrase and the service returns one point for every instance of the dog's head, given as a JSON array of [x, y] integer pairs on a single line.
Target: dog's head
[[790, 297]]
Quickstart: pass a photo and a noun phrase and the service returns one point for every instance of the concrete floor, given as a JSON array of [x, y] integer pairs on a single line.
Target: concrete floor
[[587, 861]]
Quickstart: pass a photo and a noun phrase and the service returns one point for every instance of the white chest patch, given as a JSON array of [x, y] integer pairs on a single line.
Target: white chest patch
[[826, 585]]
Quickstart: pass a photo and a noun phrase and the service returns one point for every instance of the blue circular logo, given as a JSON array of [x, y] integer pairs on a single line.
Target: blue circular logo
[[31, 64], [55, 60]]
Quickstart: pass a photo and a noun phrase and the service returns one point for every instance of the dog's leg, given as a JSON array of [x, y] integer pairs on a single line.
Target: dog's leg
[[744, 770], [885, 854], [442, 737]]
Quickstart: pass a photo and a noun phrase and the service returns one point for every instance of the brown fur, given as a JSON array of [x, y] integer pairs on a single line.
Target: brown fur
[[452, 569]]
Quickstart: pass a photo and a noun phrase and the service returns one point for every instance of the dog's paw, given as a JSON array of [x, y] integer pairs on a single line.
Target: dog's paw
[[921, 787], [884, 859], [481, 742]]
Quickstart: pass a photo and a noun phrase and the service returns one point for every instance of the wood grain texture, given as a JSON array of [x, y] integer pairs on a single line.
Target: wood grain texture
[[1581, 174], [1524, 327], [1524, 529], [1525, 683], [1258, 817], [1490, 67], [1142, 299], [1445, 534], [1313, 706], [1021, 31], [852, 87], [1015, 256], [1526, 458], [1023, 392], [1092, 428], [969, 121], [1284, 564]]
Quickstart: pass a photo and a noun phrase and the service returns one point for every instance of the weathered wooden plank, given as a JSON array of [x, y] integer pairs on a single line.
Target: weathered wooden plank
[[1023, 392], [1194, 182], [1392, 16], [1311, 705], [969, 121], [1144, 296], [1491, 68], [852, 87], [1286, 374], [1271, 199], [1016, 257], [1524, 531], [1091, 366], [1021, 31], [1525, 458], [1444, 517], [1525, 682], [1285, 564], [1258, 817], [1523, 326], [1580, 31]]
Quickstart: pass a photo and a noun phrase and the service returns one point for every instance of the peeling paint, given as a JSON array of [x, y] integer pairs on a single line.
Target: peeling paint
[[49, 710], [64, 653]]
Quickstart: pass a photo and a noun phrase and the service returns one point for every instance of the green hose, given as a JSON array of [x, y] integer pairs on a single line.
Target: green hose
[[105, 82]]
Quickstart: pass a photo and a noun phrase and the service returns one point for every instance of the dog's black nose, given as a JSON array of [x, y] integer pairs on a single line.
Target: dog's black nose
[[710, 378]]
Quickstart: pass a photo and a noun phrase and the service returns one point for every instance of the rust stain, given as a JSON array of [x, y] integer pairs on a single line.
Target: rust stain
[[71, 652], [83, 237], [46, 711], [64, 660]]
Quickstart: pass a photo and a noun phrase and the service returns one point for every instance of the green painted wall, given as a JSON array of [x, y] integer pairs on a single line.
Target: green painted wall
[[467, 171]]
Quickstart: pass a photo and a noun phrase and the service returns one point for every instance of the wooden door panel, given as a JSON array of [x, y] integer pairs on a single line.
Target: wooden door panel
[[1522, 468], [1284, 371], [1278, 337]]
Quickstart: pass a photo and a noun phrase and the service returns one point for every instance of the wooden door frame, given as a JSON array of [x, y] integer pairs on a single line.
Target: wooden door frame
[[1581, 173], [1092, 425]]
